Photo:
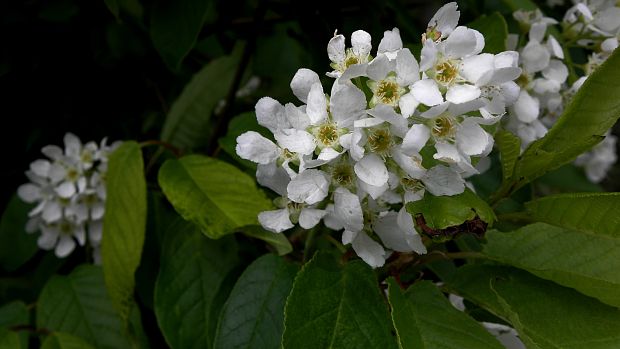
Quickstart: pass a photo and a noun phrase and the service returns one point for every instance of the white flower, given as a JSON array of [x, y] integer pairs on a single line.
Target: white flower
[[443, 22], [599, 160], [355, 57]]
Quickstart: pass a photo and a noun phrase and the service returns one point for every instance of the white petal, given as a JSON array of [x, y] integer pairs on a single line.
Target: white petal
[[335, 49], [537, 31], [354, 71], [73, 145], [57, 173], [41, 168], [302, 83], [506, 59], [254, 147], [458, 94], [608, 20], [270, 114], [477, 69], [390, 233], [348, 209], [328, 154], [95, 232], [369, 250], [310, 217], [415, 139], [405, 222], [65, 246], [387, 113], [461, 42], [445, 19], [442, 180], [360, 43], [317, 104], [371, 169], [29, 192], [535, 57], [503, 75], [275, 221], [374, 191], [554, 47], [471, 139], [391, 41], [526, 107], [412, 164], [348, 236], [296, 141], [53, 152], [428, 55], [367, 122], [556, 71], [65, 190], [80, 234], [310, 186], [408, 104], [427, 92], [447, 153], [436, 110], [407, 68], [379, 67], [51, 212], [296, 116], [348, 103], [608, 45], [48, 239], [273, 177]]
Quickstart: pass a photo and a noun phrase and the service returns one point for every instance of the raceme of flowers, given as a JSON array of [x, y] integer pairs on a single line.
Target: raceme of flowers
[[391, 128], [545, 88], [68, 190]]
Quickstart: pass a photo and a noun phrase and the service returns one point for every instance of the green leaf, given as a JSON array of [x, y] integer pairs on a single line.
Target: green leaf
[[334, 306], [193, 273], [253, 316], [14, 314], [569, 178], [545, 314], [516, 5], [278, 241], [124, 224], [78, 304], [509, 150], [16, 246], [59, 340], [424, 318], [114, 8], [9, 339], [591, 213], [592, 111], [441, 212], [175, 26], [589, 263], [495, 31], [215, 195], [187, 124], [238, 125]]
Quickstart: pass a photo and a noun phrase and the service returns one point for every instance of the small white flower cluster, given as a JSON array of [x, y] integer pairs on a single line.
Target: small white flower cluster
[[592, 25], [69, 191], [391, 130]]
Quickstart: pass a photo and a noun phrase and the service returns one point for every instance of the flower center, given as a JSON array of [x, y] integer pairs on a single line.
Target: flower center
[[380, 141], [411, 184], [446, 72], [342, 174], [388, 92], [65, 227], [523, 80], [86, 157], [328, 134], [350, 60], [444, 127], [72, 174]]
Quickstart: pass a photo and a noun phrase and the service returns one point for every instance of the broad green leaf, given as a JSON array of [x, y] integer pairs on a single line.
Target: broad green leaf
[[424, 318], [187, 124], [215, 195], [495, 31], [569, 179], [509, 150], [333, 306], [516, 5], [253, 316], [588, 263], [78, 304], [238, 125], [124, 224], [59, 340], [9, 339], [441, 212], [592, 111], [187, 291], [175, 26], [16, 246], [591, 213], [545, 314], [278, 241], [15, 314]]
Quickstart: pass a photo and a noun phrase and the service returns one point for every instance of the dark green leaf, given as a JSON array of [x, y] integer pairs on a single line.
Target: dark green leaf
[[175, 26], [78, 304], [509, 148], [592, 111], [253, 316], [279, 241], [193, 273], [545, 314], [215, 195], [569, 178], [59, 340], [495, 31], [124, 224], [113, 7], [424, 318], [16, 246], [441, 212], [588, 263], [15, 314], [9, 339], [333, 306], [516, 5], [188, 122], [589, 213]]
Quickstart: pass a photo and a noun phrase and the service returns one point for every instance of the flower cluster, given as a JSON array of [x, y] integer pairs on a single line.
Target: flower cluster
[[545, 88], [69, 191], [392, 128]]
